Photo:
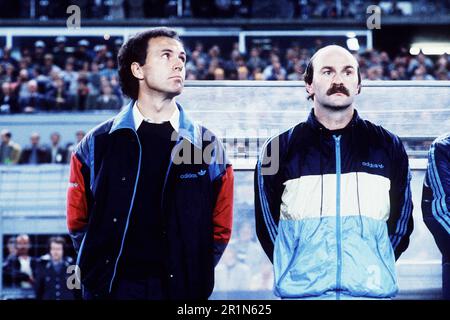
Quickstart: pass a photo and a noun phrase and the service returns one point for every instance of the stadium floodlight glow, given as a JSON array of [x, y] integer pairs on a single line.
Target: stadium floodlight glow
[[414, 51], [430, 48], [353, 44]]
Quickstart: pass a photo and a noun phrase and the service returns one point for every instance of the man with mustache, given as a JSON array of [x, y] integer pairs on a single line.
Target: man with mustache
[[147, 225], [335, 213]]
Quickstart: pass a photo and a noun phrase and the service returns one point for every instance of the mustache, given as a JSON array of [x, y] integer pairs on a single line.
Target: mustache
[[338, 89]]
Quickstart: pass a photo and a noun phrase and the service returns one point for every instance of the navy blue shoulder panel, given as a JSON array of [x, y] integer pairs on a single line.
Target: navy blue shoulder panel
[[381, 137]]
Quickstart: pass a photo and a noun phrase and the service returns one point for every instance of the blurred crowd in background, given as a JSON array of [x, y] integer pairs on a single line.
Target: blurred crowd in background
[[44, 78], [38, 269], [295, 9], [12, 153]]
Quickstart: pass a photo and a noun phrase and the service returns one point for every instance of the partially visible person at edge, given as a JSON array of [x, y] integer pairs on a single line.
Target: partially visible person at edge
[[436, 203]]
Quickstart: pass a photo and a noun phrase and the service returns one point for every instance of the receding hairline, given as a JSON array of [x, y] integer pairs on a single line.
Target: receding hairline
[[166, 38], [150, 47], [332, 48]]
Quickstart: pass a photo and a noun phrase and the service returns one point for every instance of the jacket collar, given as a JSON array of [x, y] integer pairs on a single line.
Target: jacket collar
[[316, 125], [139, 118], [188, 129]]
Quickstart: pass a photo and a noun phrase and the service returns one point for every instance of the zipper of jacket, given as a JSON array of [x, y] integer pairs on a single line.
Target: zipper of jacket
[[179, 140], [337, 140], [129, 212]]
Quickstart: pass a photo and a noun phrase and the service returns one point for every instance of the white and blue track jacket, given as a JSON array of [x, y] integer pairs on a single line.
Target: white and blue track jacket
[[333, 209]]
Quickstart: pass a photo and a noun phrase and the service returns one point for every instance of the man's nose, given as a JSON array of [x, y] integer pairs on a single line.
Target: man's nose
[[337, 78], [178, 66]]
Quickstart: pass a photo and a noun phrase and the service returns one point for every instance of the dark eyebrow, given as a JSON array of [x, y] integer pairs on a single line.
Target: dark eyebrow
[[171, 51], [332, 68]]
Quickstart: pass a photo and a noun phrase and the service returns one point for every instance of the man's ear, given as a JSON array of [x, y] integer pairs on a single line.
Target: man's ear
[[309, 89], [136, 70]]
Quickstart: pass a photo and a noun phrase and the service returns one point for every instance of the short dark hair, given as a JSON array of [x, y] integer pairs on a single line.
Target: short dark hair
[[7, 134], [58, 240], [135, 50], [309, 74]]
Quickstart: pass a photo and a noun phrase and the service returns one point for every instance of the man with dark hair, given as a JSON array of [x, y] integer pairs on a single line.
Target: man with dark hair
[[333, 200], [51, 274], [8, 100], [436, 203], [145, 224]]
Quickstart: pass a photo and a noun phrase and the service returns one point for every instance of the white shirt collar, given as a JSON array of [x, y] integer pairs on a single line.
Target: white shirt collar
[[138, 118]]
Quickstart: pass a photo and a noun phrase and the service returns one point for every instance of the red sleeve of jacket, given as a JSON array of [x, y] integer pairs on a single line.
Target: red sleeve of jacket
[[223, 213], [77, 208]]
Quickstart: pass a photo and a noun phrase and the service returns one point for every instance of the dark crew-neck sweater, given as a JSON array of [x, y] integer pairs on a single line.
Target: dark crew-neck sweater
[[144, 251]]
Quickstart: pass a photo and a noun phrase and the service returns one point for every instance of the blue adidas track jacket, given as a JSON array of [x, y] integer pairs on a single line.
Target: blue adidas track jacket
[[333, 209]]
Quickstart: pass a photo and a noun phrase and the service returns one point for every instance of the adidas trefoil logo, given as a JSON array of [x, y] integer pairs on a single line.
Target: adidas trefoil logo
[[193, 175]]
